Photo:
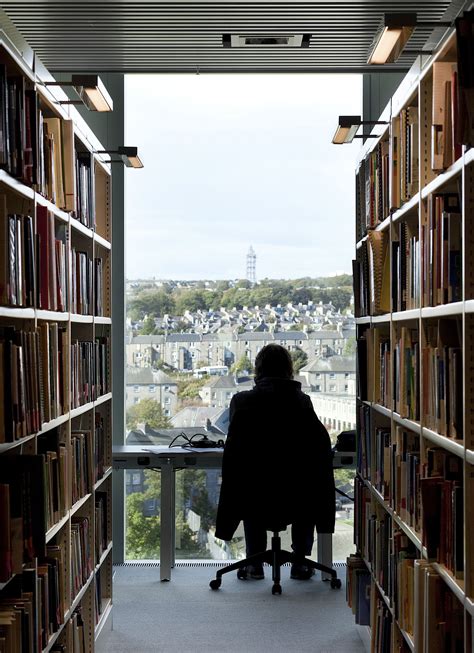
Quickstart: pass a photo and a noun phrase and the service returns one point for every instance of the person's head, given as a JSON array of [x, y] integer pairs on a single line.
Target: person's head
[[273, 360]]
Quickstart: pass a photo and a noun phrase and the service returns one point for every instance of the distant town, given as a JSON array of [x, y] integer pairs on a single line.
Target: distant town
[[191, 345]]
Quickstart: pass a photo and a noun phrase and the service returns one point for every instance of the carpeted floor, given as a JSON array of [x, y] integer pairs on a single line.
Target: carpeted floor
[[185, 616]]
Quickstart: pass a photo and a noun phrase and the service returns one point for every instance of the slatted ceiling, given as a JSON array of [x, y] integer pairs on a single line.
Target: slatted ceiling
[[149, 36]]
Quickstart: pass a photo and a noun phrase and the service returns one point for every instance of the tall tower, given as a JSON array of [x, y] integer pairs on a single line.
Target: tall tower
[[251, 265]]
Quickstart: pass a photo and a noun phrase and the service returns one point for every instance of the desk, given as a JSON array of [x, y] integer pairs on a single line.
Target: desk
[[168, 461]]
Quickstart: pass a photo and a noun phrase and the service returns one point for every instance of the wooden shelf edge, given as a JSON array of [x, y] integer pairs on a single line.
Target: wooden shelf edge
[[454, 584], [406, 208], [106, 475], [6, 446], [81, 228], [78, 505], [75, 412], [17, 312], [102, 242], [54, 530], [103, 556], [454, 446], [103, 399]]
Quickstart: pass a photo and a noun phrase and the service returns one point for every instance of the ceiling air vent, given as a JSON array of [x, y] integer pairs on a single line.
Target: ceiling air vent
[[266, 40]]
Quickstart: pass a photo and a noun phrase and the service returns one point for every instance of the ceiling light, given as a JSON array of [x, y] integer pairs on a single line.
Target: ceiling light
[[266, 40], [394, 34]]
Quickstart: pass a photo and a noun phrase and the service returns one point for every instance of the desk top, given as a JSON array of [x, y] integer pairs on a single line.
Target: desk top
[[143, 456]]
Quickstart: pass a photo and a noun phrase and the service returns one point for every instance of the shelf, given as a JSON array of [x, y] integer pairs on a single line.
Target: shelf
[[408, 638], [80, 410], [16, 185], [102, 320], [455, 585], [81, 228], [401, 316], [54, 423], [17, 313], [382, 409], [102, 242], [54, 530], [378, 319], [104, 617], [406, 208], [52, 316], [5, 583], [454, 446], [76, 318], [103, 556], [58, 213], [443, 178], [470, 456], [383, 225], [106, 475], [363, 320], [78, 505], [469, 306], [359, 243], [407, 423], [456, 308], [6, 446], [103, 399]]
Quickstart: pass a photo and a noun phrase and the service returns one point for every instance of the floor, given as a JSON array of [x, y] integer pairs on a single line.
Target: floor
[[186, 616]]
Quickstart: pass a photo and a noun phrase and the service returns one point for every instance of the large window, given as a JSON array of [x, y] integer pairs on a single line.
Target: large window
[[239, 232]]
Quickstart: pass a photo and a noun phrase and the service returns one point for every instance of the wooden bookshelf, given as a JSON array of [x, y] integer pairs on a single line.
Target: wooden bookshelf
[[415, 332], [55, 369]]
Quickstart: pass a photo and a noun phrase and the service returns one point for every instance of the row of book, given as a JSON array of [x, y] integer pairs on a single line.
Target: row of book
[[33, 378], [74, 637], [427, 496], [441, 251], [102, 533], [34, 272], [390, 373], [405, 156], [35, 363], [405, 268], [81, 457], [90, 377], [82, 561], [17, 126]]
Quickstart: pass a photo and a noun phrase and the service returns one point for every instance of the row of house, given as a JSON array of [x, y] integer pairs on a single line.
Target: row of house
[[187, 351]]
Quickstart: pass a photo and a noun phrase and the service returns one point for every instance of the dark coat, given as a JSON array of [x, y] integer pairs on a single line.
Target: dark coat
[[277, 462]]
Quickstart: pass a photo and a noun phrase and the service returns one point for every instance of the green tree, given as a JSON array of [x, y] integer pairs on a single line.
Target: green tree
[[149, 327], [299, 358], [192, 300], [152, 300], [243, 365], [350, 347], [188, 388], [148, 411]]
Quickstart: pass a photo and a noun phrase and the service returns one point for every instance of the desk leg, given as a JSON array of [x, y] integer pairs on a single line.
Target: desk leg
[[325, 552], [167, 520]]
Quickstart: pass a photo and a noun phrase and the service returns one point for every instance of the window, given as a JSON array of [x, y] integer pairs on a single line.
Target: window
[[151, 388], [136, 388], [167, 388], [136, 400], [317, 388], [332, 387], [214, 395], [332, 375], [346, 388], [167, 400], [318, 375], [136, 478], [167, 412], [346, 375]]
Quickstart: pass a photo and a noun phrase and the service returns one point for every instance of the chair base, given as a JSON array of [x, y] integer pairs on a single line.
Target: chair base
[[276, 556]]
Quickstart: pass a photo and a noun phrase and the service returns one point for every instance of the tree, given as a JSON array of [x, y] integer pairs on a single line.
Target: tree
[[243, 365], [148, 411], [193, 300], [350, 347], [299, 358], [152, 300], [188, 388], [149, 326]]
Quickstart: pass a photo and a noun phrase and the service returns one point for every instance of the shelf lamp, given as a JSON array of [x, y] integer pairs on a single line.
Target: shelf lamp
[[393, 36], [90, 89], [348, 126], [128, 156]]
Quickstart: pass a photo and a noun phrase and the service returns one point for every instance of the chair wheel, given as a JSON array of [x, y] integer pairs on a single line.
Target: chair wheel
[[276, 589], [242, 574], [335, 583], [215, 584]]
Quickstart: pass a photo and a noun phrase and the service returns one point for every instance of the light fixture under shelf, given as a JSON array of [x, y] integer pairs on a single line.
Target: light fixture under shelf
[[266, 40], [347, 129], [128, 156], [91, 91]]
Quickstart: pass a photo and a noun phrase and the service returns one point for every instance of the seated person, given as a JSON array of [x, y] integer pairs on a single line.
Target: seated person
[[277, 464]]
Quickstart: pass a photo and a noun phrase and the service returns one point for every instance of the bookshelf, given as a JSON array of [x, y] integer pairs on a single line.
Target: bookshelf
[[411, 582], [55, 369]]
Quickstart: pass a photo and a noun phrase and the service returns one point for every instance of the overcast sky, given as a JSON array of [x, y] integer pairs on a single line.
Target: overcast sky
[[239, 160]]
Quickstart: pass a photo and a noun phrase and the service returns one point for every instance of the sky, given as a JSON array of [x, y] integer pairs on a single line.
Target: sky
[[239, 160]]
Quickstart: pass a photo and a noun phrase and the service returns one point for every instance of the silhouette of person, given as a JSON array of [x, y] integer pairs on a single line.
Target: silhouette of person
[[277, 464]]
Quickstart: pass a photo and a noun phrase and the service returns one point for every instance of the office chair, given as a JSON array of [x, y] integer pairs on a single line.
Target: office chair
[[276, 556]]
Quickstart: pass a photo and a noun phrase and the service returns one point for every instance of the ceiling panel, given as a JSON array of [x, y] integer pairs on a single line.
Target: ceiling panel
[[147, 36]]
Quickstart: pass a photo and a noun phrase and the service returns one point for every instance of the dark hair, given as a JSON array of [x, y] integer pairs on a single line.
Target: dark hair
[[273, 360]]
